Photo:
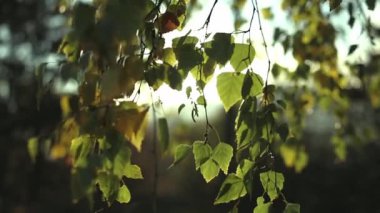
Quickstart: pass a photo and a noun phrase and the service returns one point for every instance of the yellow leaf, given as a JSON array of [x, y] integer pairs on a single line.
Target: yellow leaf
[[68, 132], [58, 151], [132, 122], [33, 148], [288, 153], [294, 156], [65, 105], [267, 13]]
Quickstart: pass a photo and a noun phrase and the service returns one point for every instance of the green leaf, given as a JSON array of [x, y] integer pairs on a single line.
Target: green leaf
[[247, 85], [267, 13], [188, 91], [352, 49], [302, 160], [244, 167], [81, 183], [109, 185], [229, 87], [123, 195], [188, 57], [163, 133], [33, 148], [255, 151], [133, 171], [272, 182], [168, 56], [264, 208], [201, 100], [202, 152], [175, 79], [294, 154], [232, 188], [339, 147], [181, 152], [260, 200], [209, 170], [80, 149], [180, 108], [371, 4], [222, 155], [122, 158], [258, 84], [242, 56], [334, 4], [191, 40], [292, 208], [220, 48]]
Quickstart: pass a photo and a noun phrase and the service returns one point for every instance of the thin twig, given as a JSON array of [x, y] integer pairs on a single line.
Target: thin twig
[[155, 155], [205, 25], [265, 45]]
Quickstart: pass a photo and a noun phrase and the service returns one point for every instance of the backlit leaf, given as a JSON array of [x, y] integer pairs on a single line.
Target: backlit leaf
[[109, 185], [33, 148], [80, 149], [123, 195], [201, 100], [292, 208], [202, 152], [169, 56], [181, 152], [242, 56], [272, 182], [263, 208], [209, 170], [133, 171], [132, 123], [267, 13], [58, 151], [258, 84], [232, 188], [294, 156], [121, 160], [222, 155], [229, 88], [244, 167], [339, 147]]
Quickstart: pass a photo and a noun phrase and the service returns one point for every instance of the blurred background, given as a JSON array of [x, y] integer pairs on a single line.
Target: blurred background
[[341, 173]]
